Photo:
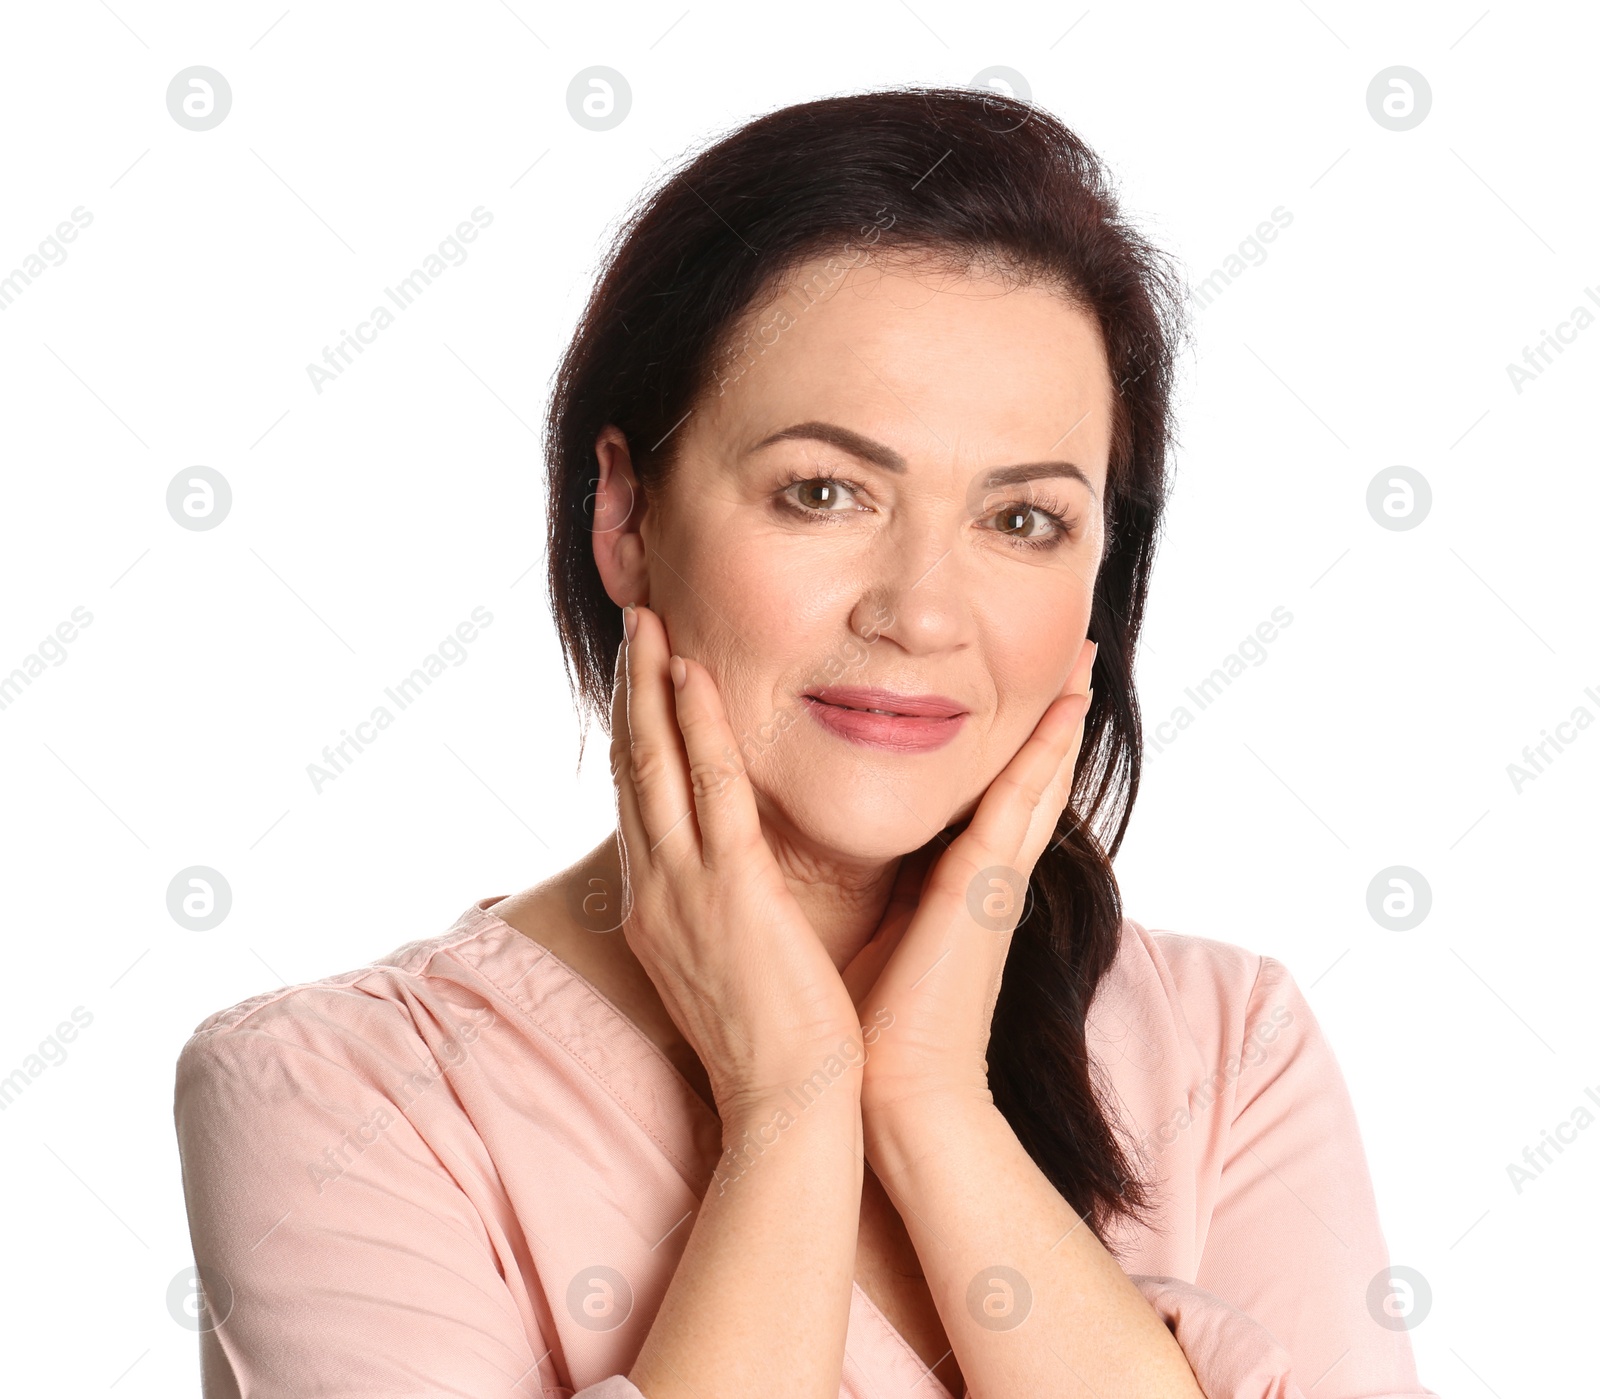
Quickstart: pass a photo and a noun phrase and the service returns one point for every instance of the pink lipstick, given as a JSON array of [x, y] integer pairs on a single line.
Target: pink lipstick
[[884, 719]]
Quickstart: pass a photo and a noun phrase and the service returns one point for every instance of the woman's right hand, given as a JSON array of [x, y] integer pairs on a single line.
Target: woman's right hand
[[737, 964]]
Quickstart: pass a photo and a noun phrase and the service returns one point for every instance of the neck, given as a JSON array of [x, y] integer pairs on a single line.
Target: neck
[[843, 904]]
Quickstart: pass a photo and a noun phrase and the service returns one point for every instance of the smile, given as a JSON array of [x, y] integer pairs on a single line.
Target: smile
[[881, 719]]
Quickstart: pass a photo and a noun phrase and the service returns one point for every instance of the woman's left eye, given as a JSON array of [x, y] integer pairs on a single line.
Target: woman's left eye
[[1017, 516]]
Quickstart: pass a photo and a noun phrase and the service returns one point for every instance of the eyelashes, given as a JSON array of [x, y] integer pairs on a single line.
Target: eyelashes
[[1064, 524]]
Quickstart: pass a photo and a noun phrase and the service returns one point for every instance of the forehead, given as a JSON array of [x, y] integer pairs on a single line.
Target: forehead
[[949, 365]]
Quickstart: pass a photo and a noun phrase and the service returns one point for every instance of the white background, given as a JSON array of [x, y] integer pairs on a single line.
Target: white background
[[369, 520]]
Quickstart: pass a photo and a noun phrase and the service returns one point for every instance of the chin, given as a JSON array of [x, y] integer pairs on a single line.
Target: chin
[[864, 819]]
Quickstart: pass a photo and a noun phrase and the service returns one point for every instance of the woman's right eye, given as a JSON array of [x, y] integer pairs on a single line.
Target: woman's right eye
[[817, 495]]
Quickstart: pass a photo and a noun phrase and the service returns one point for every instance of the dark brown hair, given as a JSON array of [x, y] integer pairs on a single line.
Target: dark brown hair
[[974, 180]]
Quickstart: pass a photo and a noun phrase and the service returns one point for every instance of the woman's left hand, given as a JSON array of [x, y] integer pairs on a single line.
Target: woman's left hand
[[929, 977]]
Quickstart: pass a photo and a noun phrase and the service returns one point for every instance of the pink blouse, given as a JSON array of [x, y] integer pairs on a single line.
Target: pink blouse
[[460, 1170]]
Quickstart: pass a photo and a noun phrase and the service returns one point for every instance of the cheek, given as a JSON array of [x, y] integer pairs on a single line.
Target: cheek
[[1035, 644], [740, 614]]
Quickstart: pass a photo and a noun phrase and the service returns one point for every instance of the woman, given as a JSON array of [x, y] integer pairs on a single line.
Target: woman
[[836, 1068]]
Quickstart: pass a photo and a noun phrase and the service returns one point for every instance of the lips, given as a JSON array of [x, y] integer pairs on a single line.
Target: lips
[[883, 719], [888, 702]]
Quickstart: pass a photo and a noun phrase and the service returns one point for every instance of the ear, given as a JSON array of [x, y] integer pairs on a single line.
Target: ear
[[619, 507]]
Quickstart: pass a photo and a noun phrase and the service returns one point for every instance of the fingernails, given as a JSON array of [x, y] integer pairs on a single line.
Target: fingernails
[[680, 672], [630, 621]]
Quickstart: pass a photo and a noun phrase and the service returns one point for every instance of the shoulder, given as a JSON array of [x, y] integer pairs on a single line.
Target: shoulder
[[373, 1014], [1211, 1047], [1201, 977], [1203, 996]]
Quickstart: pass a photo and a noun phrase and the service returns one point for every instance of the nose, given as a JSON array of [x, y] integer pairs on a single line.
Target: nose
[[917, 598]]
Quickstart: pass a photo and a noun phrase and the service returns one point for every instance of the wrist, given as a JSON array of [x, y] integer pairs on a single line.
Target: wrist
[[804, 1118], [899, 1123], [828, 1088]]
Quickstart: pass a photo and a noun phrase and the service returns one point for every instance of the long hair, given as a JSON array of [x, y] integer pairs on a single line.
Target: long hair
[[974, 179]]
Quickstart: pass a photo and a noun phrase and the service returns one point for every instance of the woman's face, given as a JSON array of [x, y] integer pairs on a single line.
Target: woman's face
[[910, 572]]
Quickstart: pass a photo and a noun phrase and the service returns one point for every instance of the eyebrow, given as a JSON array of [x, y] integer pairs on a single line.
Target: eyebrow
[[888, 459]]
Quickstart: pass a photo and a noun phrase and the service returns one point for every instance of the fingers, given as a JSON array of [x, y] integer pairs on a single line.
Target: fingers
[[657, 768], [724, 804], [861, 973], [910, 878], [1044, 811], [635, 843], [1018, 814], [1083, 672]]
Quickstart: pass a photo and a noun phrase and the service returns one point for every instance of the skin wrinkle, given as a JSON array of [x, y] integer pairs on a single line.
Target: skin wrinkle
[[958, 376]]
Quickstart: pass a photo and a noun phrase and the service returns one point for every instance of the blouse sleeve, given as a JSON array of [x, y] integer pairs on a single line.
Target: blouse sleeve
[[322, 1274], [1293, 1296]]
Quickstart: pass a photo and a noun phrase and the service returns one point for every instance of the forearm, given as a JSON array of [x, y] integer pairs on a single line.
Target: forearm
[[975, 1204], [760, 1301]]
